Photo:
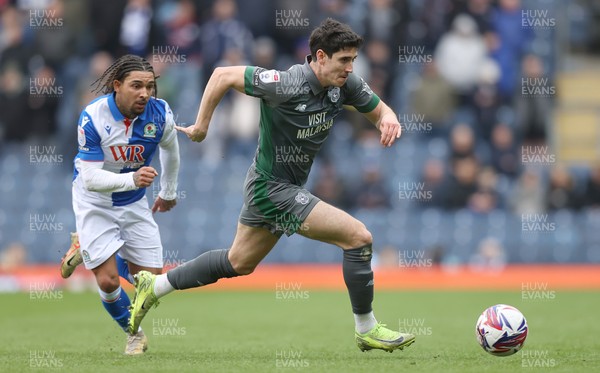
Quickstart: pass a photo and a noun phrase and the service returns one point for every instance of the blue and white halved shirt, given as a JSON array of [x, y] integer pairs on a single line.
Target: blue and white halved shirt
[[104, 135]]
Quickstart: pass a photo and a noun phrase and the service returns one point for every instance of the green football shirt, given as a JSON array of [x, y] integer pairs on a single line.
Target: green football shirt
[[296, 115]]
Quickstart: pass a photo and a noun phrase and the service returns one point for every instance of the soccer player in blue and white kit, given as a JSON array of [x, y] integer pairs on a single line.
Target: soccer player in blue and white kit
[[118, 135]]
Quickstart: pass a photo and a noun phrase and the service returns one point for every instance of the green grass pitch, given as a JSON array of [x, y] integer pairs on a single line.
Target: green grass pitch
[[209, 331]]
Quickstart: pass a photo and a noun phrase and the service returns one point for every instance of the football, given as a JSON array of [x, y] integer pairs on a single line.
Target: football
[[501, 330]]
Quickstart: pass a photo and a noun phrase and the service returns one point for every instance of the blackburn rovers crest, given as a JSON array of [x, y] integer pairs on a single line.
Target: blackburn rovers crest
[[150, 130]]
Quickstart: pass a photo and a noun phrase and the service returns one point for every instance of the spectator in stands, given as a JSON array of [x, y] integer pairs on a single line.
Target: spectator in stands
[[98, 63], [371, 192], [487, 179], [264, 52], [381, 67], [337, 9], [221, 33], [533, 110], [433, 178], [182, 31], [14, 95], [105, 24], [432, 19], [386, 20], [434, 99], [137, 29], [367, 145], [486, 101], [464, 143], [179, 60], [242, 131], [290, 11], [15, 49], [504, 151], [462, 183], [562, 192], [238, 128], [527, 196], [330, 187], [43, 103], [508, 44], [481, 12], [56, 45], [170, 89], [592, 191], [486, 198], [460, 55]]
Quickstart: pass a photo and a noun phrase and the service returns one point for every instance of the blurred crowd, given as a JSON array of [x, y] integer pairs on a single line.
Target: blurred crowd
[[454, 70]]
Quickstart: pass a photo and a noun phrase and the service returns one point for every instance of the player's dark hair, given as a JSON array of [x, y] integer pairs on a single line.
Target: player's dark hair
[[332, 36], [119, 71]]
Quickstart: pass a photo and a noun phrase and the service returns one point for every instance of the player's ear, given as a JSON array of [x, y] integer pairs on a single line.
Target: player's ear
[[116, 85], [321, 56]]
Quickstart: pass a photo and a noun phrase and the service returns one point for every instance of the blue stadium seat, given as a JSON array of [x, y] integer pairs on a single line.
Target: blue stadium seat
[[593, 253]]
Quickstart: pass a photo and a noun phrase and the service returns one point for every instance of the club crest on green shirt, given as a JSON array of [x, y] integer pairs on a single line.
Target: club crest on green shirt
[[334, 94]]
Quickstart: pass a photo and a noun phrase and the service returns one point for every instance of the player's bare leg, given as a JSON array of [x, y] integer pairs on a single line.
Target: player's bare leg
[[329, 224], [249, 247]]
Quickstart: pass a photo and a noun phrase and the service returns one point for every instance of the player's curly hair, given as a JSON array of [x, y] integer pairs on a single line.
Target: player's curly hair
[[332, 36], [119, 71]]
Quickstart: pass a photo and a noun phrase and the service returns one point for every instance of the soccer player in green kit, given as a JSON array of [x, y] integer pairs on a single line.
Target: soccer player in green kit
[[296, 114]]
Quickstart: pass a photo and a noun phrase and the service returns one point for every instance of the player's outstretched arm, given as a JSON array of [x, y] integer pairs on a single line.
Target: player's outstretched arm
[[384, 118], [221, 80]]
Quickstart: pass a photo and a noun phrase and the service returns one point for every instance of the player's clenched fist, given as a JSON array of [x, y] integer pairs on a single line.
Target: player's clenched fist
[[144, 176]]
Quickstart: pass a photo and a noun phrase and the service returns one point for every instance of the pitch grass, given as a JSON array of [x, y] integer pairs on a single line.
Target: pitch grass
[[256, 332]]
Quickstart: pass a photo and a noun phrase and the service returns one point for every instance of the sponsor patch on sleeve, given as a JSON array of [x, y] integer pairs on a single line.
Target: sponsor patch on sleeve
[[81, 136], [270, 76]]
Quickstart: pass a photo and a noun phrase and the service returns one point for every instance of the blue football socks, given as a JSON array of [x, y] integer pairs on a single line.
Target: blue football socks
[[123, 269], [117, 305]]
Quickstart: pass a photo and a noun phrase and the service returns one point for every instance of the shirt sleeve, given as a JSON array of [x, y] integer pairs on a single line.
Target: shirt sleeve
[[95, 179], [90, 148], [169, 133], [360, 95], [169, 158], [267, 84]]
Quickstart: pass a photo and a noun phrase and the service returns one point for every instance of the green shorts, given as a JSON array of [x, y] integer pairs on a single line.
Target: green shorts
[[276, 205]]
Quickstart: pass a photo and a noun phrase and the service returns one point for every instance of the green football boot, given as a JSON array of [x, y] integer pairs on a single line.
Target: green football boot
[[382, 338], [143, 299]]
